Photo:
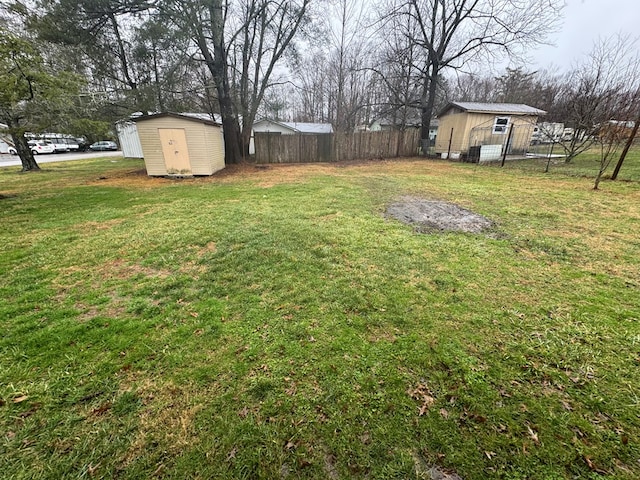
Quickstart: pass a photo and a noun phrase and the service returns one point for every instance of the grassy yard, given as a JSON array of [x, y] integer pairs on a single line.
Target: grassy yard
[[272, 323]]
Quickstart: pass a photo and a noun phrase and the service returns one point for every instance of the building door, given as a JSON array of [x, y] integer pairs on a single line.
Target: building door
[[175, 151]]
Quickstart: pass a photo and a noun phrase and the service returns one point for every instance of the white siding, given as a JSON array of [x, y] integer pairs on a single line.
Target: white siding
[[267, 126], [129, 139]]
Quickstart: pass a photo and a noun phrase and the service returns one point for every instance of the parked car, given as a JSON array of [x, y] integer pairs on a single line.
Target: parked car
[[59, 144], [104, 145], [12, 151], [72, 144], [41, 146]]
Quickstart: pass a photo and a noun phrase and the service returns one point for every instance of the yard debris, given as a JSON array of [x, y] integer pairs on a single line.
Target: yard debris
[[437, 215], [422, 393], [432, 472], [533, 435], [105, 407], [593, 467]]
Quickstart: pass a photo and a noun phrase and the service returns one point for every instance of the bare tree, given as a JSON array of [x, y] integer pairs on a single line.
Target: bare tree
[[467, 87], [453, 32], [312, 103], [601, 89], [397, 73], [241, 42]]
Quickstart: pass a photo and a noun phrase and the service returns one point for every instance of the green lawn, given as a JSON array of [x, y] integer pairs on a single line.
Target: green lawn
[[272, 323]]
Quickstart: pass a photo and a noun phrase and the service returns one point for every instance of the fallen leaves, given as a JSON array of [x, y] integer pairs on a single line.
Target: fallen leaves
[[592, 466], [105, 407], [422, 393]]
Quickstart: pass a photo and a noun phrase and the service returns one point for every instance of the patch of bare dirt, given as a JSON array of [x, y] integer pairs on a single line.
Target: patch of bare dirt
[[436, 215], [270, 175], [130, 178]]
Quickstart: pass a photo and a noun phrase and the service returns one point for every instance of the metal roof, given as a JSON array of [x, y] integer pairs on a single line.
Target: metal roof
[[202, 118], [309, 127], [505, 108], [301, 127]]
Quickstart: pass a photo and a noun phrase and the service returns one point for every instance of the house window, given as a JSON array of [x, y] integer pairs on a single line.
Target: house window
[[501, 125]]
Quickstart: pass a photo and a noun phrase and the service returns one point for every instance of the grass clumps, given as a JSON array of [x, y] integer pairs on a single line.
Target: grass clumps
[[274, 323]]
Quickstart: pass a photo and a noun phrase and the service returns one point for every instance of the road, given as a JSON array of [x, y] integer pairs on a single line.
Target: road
[[7, 160]]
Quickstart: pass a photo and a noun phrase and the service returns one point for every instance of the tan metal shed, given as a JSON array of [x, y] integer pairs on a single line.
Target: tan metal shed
[[180, 145], [467, 124]]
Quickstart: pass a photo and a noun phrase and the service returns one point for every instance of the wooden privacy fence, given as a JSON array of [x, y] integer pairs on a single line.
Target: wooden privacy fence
[[335, 147]]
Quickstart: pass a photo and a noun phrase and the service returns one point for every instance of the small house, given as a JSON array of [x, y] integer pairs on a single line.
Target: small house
[[291, 128], [486, 129], [274, 127], [181, 145]]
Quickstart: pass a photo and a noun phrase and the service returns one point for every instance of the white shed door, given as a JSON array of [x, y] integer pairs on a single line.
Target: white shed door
[[175, 151]]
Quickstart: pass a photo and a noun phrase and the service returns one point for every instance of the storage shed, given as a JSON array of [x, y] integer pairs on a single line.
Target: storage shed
[[496, 126], [180, 145]]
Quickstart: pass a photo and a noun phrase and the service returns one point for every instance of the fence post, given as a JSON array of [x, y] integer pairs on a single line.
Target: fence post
[[506, 147], [268, 147], [450, 140]]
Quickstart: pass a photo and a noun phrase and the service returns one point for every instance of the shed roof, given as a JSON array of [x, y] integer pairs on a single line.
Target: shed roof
[[504, 108], [200, 118]]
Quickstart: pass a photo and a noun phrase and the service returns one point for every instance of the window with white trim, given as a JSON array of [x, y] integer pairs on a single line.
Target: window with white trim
[[501, 125]]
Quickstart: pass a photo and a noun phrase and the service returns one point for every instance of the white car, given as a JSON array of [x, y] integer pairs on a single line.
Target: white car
[[41, 146], [72, 144], [59, 145], [12, 151]]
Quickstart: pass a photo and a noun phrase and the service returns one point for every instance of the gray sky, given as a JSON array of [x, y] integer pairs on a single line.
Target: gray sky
[[584, 22]]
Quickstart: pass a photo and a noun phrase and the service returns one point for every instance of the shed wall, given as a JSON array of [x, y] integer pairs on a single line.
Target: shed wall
[[464, 123], [205, 145], [458, 122]]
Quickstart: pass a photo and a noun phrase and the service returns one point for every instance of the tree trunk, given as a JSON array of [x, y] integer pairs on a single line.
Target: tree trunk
[[623, 155], [218, 67], [597, 182], [428, 101], [29, 163]]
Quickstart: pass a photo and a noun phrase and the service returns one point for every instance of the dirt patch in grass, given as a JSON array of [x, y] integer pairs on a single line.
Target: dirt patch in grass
[[166, 415], [130, 178], [270, 175], [436, 215]]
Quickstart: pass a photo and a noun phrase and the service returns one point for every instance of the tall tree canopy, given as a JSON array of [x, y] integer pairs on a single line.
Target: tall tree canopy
[[30, 92]]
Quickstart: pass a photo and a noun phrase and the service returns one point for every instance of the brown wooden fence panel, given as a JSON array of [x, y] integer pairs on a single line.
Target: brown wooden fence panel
[[275, 148]]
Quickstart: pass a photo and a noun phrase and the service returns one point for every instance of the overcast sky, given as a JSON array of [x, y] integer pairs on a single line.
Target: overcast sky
[[584, 22]]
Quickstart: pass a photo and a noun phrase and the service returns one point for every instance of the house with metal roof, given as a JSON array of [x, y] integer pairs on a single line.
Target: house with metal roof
[[467, 128], [291, 128]]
